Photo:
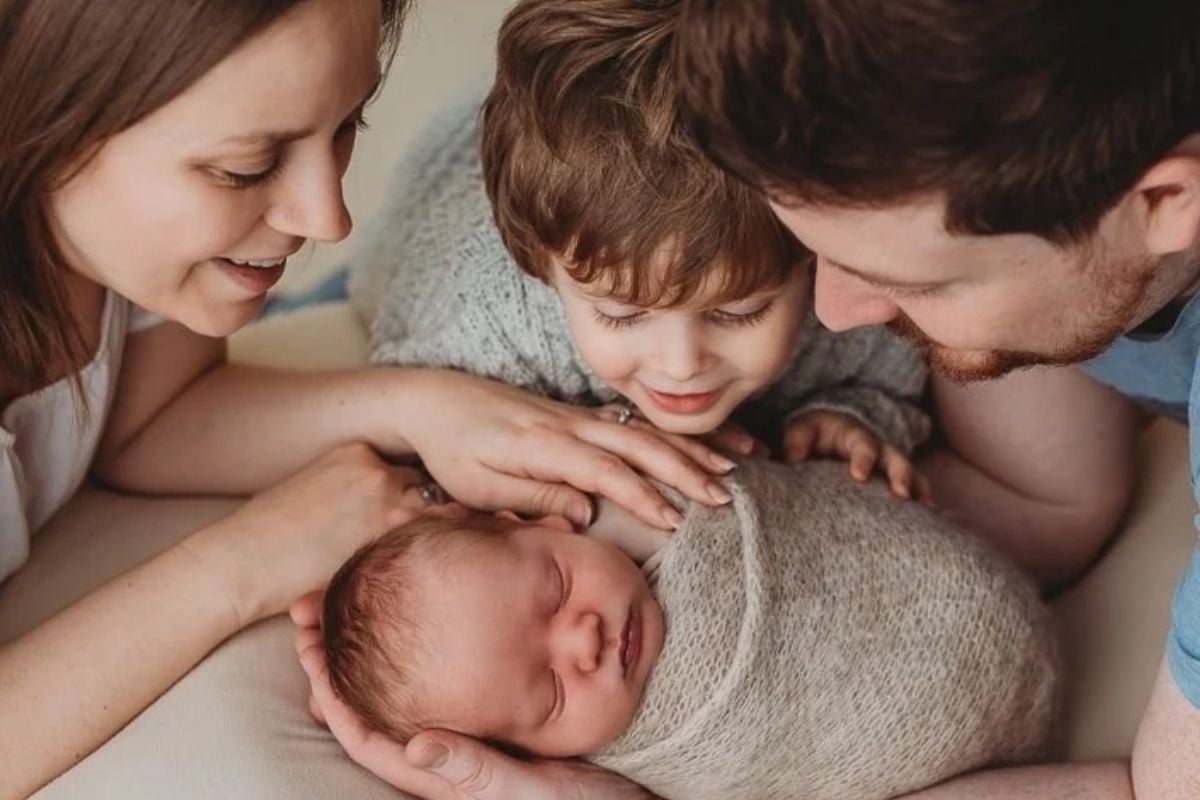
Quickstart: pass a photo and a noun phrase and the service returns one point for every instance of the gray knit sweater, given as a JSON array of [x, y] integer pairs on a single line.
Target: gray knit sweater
[[826, 641], [438, 288]]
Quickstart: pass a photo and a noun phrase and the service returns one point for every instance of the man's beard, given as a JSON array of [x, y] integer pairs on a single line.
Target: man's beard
[[1109, 316]]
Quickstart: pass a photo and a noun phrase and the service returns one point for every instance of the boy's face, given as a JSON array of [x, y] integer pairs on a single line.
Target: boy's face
[[542, 638], [686, 368]]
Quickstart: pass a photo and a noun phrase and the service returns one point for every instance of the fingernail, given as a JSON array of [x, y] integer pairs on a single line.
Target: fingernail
[[903, 492], [722, 463], [719, 493], [745, 445], [672, 517], [432, 757], [580, 513]]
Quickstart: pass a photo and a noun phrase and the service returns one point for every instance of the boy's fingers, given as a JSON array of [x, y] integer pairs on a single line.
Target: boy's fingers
[[798, 443], [924, 491], [862, 452]]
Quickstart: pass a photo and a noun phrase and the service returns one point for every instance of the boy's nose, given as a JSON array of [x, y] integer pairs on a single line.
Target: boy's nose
[[681, 356], [585, 642]]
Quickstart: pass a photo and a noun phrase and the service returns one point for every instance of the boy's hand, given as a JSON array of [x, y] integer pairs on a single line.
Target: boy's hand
[[829, 433]]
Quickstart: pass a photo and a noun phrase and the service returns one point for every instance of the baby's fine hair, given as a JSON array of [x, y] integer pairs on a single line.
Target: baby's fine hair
[[586, 161], [371, 623]]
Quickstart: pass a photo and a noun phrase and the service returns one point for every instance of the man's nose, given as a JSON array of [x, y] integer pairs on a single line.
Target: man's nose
[[583, 642], [843, 302]]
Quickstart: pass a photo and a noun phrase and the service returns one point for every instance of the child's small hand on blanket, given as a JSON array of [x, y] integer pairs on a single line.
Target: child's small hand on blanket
[[831, 433]]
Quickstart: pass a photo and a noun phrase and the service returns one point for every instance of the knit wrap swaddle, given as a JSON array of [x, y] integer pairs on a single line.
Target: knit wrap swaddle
[[826, 641]]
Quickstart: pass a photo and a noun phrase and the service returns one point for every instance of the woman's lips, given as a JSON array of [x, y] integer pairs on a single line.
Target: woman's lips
[[684, 403], [258, 280], [631, 643]]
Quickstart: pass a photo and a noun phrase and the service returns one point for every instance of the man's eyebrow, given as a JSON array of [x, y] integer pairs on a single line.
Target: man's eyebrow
[[881, 280], [276, 138]]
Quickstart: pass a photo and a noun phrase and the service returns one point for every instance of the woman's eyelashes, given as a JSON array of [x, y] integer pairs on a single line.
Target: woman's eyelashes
[[718, 316], [250, 180]]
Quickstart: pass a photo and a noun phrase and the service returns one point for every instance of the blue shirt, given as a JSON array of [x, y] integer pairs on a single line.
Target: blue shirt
[[1159, 370]]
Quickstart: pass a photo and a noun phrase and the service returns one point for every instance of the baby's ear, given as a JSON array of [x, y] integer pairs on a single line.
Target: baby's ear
[[508, 515], [557, 522]]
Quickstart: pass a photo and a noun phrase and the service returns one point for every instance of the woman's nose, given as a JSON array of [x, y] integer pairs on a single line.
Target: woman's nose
[[842, 302], [583, 642], [310, 203]]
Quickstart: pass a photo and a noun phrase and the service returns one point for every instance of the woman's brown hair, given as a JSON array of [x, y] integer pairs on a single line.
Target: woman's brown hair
[[72, 74]]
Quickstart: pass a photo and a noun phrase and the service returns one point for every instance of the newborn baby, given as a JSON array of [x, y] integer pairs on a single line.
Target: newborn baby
[[815, 639]]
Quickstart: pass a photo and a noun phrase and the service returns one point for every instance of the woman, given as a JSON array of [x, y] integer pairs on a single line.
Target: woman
[[159, 160]]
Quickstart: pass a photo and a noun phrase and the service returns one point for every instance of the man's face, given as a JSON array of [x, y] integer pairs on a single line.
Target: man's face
[[981, 305]]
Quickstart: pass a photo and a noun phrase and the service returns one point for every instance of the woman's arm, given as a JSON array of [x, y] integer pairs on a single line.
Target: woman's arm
[[186, 421], [74, 681]]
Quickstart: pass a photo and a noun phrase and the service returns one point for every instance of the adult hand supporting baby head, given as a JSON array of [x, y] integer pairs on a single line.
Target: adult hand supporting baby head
[[441, 765]]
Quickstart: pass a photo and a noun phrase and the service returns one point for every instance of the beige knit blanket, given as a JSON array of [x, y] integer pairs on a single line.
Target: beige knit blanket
[[826, 641]]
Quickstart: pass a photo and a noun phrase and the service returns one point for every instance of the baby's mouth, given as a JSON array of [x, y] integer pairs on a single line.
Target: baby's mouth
[[631, 643]]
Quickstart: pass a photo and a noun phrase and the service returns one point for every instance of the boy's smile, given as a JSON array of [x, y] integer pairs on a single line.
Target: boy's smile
[[686, 368]]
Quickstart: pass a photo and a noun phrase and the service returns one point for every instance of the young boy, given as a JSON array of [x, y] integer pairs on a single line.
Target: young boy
[[814, 634], [615, 263]]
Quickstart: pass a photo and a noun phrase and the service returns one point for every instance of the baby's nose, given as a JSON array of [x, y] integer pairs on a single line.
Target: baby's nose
[[587, 642]]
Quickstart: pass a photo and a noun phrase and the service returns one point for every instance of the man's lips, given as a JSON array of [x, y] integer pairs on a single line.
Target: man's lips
[[684, 403]]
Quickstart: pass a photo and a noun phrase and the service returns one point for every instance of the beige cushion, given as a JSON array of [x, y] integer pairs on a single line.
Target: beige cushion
[[236, 726]]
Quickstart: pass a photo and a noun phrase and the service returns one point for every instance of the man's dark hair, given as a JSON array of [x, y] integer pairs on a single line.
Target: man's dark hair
[[1031, 116]]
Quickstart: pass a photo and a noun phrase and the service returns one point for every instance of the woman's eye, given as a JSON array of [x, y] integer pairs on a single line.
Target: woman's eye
[[353, 125], [618, 321], [741, 318], [248, 180]]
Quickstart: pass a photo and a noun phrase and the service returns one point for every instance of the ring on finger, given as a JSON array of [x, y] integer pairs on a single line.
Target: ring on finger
[[624, 414], [432, 494]]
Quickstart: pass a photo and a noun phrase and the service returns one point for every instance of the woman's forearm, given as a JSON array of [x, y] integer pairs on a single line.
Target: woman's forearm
[[240, 428], [71, 683]]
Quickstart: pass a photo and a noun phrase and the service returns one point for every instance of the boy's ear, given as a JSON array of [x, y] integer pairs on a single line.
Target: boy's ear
[[1168, 197]]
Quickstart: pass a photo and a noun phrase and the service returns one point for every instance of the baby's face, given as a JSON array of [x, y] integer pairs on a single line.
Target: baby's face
[[541, 638]]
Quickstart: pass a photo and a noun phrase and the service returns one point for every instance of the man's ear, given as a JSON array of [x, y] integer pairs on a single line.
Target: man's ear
[[1169, 198]]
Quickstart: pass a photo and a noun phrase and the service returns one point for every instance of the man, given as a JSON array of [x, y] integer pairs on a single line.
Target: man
[[1011, 183]]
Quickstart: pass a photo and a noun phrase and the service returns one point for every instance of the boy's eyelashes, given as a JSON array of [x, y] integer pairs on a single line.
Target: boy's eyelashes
[[717, 316]]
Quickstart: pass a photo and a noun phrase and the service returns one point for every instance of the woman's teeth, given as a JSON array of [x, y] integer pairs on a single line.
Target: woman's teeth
[[274, 262]]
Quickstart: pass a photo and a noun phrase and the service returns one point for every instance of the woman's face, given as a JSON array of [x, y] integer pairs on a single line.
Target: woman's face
[[244, 166]]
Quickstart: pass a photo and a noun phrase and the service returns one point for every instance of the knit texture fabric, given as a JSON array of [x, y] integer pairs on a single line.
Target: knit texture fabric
[[438, 288], [826, 641]]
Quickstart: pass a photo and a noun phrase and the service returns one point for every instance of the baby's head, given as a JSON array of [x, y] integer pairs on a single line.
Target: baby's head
[[680, 288], [521, 633]]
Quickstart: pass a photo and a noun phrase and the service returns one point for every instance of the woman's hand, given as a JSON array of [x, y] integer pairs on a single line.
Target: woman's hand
[[494, 446], [290, 539], [439, 765]]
